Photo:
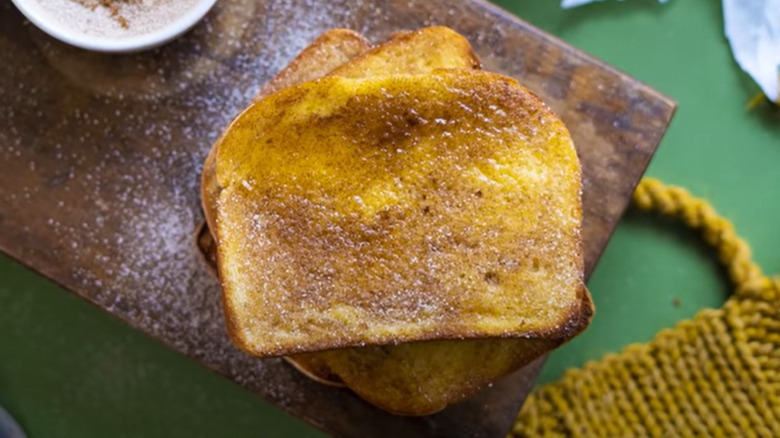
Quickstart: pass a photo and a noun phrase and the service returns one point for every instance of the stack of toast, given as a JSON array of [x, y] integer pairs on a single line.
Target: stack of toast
[[396, 220]]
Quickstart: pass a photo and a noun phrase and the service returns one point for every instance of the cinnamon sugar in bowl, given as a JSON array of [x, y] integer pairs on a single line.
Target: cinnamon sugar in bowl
[[114, 25]]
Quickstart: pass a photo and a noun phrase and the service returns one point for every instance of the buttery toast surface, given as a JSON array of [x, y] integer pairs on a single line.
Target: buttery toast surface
[[395, 209], [421, 377]]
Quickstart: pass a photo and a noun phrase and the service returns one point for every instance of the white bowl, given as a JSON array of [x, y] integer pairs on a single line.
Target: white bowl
[[71, 34]]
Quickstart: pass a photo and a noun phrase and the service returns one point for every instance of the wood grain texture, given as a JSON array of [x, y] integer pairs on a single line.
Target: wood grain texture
[[100, 157]]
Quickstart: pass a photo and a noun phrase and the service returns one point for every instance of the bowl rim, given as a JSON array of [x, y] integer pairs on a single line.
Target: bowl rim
[[35, 12]]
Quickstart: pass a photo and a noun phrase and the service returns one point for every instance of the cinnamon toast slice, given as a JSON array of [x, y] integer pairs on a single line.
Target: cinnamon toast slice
[[403, 208], [422, 377]]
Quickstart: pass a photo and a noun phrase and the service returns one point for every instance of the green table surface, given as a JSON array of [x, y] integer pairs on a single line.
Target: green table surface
[[69, 370]]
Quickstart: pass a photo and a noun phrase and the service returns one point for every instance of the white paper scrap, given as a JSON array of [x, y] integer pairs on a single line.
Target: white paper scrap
[[753, 29], [566, 4]]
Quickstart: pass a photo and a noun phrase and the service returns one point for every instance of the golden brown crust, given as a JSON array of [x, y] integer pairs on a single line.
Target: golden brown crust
[[510, 154]]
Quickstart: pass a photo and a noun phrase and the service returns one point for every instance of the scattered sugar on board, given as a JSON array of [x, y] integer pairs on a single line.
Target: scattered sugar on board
[[130, 18]]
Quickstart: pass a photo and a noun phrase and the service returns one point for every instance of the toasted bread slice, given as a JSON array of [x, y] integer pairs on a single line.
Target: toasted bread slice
[[398, 209], [421, 378], [330, 50]]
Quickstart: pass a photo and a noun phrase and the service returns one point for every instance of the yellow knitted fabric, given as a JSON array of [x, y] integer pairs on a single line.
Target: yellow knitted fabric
[[715, 375]]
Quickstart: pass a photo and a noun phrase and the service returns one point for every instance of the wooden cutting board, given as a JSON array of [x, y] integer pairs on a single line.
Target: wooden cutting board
[[100, 157]]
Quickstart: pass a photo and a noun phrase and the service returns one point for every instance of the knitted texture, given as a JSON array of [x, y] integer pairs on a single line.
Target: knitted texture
[[715, 375]]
